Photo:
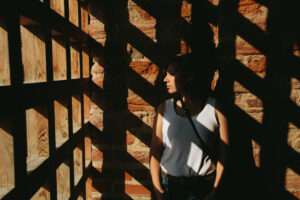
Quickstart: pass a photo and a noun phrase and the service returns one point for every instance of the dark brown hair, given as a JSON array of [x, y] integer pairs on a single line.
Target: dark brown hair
[[194, 77]]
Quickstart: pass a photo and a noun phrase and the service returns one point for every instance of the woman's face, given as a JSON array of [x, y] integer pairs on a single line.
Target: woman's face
[[171, 79]]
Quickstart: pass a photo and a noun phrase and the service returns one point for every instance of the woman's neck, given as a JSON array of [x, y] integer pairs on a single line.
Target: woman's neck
[[192, 103]]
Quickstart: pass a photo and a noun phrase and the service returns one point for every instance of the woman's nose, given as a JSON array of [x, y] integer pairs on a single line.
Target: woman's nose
[[166, 78]]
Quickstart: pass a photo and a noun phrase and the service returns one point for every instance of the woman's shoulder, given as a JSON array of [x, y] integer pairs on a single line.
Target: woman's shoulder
[[161, 107]]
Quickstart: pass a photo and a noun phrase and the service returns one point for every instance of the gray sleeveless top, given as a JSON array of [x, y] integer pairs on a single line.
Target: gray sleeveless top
[[182, 155]]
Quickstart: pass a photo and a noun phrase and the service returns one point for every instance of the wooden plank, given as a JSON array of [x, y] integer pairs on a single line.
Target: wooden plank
[[78, 163], [58, 6], [59, 55], [76, 112], [85, 62], [88, 188], [73, 12], [41, 174], [63, 181], [27, 92], [7, 174], [4, 52], [75, 61], [86, 106], [88, 150], [33, 54], [42, 193], [61, 122], [80, 187], [37, 137], [41, 14], [84, 18]]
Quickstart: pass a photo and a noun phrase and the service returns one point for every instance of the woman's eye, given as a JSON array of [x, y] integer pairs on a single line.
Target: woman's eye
[[171, 73]]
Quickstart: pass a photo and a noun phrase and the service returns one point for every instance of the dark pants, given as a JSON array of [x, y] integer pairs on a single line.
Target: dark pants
[[193, 188]]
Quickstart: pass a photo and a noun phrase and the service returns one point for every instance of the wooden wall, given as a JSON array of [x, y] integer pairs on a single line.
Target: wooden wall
[[45, 144]]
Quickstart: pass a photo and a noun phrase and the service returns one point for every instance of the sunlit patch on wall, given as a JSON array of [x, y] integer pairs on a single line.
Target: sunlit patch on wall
[[97, 75], [254, 62], [295, 91], [256, 153], [244, 48], [186, 11], [96, 116], [214, 2], [137, 103], [294, 138], [136, 55], [215, 30], [250, 104], [292, 182], [97, 30], [254, 12], [146, 70], [142, 20]]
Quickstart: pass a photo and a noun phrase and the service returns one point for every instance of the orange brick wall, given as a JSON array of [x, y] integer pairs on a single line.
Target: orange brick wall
[[137, 37]]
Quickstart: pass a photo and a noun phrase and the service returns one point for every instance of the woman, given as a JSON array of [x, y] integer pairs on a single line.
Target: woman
[[181, 164]]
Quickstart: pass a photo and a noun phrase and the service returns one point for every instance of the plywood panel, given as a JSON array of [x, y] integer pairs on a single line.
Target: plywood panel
[[76, 113], [61, 122], [33, 54], [85, 63], [73, 12], [37, 138], [59, 58], [7, 177], [75, 61], [58, 6], [63, 181], [4, 55], [41, 194], [78, 164]]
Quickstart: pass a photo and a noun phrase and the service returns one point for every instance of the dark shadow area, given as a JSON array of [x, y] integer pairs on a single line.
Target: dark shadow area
[[244, 179]]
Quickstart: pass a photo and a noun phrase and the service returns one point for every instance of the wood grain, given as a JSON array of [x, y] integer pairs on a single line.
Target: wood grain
[[58, 6], [73, 12], [76, 113], [41, 194], [88, 150], [7, 177], [37, 137], [88, 186], [59, 58], [4, 55], [63, 181], [61, 123], [85, 63], [33, 54], [75, 61], [84, 19], [86, 107], [78, 164]]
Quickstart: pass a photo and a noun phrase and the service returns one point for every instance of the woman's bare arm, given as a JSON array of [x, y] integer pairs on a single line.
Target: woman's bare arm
[[156, 148]]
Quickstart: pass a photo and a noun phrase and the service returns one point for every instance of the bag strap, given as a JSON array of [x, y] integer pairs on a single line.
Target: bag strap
[[203, 146]]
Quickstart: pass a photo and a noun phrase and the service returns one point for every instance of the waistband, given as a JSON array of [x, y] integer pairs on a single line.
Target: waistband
[[190, 179]]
